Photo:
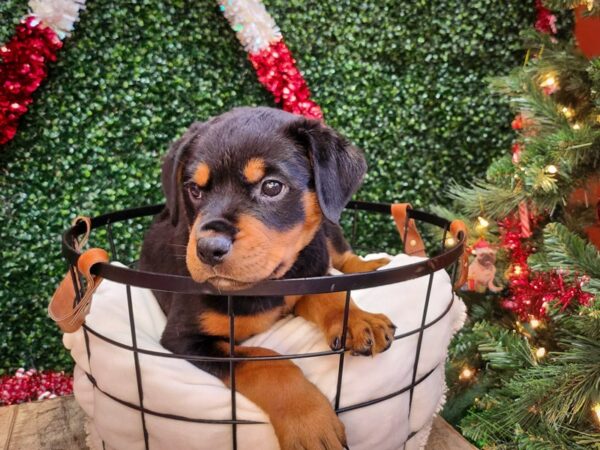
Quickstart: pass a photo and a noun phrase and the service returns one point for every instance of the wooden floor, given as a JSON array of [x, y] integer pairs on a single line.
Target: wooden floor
[[57, 424]]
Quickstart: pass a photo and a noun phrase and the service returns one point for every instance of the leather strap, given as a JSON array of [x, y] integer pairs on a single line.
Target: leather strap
[[413, 244], [456, 227], [63, 308]]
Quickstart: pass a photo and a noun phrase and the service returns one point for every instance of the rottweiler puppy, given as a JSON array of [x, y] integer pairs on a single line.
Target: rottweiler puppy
[[251, 195]]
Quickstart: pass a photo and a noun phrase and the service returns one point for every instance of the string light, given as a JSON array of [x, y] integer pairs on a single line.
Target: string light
[[482, 222], [567, 112], [576, 126], [466, 374], [517, 270], [540, 353], [551, 169], [535, 323], [549, 81], [596, 411], [450, 242]]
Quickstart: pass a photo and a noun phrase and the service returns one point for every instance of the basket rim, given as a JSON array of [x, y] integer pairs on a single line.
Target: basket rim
[[293, 286]]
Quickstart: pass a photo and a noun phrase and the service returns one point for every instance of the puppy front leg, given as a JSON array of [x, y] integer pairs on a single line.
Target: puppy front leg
[[368, 333], [342, 257], [300, 414]]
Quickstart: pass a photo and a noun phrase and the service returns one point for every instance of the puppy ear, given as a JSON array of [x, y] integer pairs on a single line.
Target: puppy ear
[[172, 169], [338, 166]]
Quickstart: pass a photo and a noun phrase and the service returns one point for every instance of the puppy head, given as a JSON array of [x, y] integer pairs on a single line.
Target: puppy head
[[252, 187]]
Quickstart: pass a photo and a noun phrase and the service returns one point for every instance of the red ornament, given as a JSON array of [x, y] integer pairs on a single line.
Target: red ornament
[[276, 70], [23, 67], [516, 152], [545, 21], [29, 385]]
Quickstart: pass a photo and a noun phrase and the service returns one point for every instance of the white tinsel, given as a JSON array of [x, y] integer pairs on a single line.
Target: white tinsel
[[60, 15], [253, 25]]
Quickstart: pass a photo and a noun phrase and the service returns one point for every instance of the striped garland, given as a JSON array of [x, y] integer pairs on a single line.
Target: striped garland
[[275, 67], [24, 59]]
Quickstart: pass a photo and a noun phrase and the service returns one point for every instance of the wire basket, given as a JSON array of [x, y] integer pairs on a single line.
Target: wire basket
[[445, 258]]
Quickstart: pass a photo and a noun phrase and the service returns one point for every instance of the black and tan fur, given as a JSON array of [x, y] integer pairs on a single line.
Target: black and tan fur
[[221, 225]]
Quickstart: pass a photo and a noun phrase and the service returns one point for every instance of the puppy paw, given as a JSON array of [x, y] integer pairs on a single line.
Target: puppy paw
[[368, 333], [355, 264], [310, 425]]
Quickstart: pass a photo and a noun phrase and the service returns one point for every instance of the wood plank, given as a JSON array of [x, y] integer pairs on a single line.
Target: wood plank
[[444, 437], [46, 425], [59, 424], [7, 418]]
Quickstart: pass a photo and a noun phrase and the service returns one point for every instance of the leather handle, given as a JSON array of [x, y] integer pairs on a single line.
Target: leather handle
[[63, 309], [413, 244], [456, 227]]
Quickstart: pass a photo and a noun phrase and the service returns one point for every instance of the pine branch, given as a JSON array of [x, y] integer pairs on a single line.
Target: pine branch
[[570, 4], [546, 403], [563, 249], [497, 202]]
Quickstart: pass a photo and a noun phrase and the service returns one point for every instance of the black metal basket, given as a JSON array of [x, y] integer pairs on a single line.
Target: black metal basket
[[446, 258]]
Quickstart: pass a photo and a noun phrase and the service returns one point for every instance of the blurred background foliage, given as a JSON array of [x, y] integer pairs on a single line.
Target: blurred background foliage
[[406, 81]]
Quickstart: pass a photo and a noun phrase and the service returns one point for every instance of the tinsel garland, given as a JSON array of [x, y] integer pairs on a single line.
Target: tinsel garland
[[29, 385], [23, 68], [24, 59], [271, 58], [531, 293]]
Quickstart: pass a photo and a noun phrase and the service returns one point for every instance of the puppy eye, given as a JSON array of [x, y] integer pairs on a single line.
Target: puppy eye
[[271, 188], [194, 190]]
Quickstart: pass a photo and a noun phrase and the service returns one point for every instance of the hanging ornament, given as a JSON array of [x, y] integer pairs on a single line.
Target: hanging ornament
[[482, 269], [545, 21]]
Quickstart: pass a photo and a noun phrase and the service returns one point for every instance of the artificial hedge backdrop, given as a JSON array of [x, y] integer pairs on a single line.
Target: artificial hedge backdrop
[[404, 80]]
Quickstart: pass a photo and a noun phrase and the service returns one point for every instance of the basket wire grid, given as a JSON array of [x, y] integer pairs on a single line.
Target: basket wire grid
[[447, 258]]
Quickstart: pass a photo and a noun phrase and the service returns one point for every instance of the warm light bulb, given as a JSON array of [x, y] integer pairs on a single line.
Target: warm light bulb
[[534, 323], [482, 222], [450, 242], [596, 411], [540, 352], [466, 374], [551, 169], [517, 270], [548, 81], [567, 112], [576, 126]]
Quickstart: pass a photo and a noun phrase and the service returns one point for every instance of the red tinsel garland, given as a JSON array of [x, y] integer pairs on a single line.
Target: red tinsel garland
[[29, 385], [545, 21], [530, 296], [276, 70], [531, 292], [23, 67]]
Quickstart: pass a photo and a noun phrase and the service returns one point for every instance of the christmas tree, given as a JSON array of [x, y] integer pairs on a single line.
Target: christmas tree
[[525, 371]]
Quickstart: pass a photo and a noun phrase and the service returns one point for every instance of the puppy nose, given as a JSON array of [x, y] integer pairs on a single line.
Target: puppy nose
[[213, 249]]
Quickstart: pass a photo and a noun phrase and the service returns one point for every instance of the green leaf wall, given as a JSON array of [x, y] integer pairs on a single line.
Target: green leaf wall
[[406, 81]]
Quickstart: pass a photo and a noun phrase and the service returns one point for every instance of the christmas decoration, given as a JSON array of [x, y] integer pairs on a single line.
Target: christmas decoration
[[23, 67], [28, 385], [545, 21], [482, 269], [275, 67], [542, 333], [24, 59]]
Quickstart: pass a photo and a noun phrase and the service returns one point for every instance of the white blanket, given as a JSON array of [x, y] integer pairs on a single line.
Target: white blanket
[[174, 386]]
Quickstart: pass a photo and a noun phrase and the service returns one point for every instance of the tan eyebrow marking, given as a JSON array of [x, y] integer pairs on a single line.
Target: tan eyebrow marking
[[254, 170], [201, 175]]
